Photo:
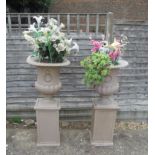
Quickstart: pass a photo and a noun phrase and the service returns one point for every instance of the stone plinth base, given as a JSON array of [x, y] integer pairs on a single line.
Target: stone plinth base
[[103, 123], [47, 115]]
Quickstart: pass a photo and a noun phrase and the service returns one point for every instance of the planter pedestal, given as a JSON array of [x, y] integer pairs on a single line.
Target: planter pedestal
[[47, 109], [103, 123], [105, 108], [47, 115]]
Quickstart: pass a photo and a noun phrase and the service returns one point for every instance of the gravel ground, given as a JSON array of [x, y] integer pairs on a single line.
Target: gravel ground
[[130, 138]]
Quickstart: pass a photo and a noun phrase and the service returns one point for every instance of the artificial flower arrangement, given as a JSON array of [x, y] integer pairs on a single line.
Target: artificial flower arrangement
[[104, 55], [50, 45]]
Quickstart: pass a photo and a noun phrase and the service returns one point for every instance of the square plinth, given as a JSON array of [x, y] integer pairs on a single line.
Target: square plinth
[[103, 123], [47, 116]]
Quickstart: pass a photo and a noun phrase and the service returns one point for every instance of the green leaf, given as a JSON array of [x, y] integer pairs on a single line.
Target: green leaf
[[96, 68]]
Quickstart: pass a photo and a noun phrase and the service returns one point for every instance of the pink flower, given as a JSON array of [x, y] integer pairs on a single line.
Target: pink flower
[[96, 45], [114, 55]]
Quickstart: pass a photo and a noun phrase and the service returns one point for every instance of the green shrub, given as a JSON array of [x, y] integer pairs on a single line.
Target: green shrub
[[15, 119], [96, 68]]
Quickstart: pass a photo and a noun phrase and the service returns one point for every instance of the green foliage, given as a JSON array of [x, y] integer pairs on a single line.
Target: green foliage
[[15, 119], [96, 68], [30, 5]]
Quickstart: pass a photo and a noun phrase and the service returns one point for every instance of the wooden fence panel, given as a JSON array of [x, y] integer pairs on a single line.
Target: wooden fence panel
[[76, 98]]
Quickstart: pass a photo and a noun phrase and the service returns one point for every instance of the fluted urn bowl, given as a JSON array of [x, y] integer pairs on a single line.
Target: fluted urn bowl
[[48, 79], [111, 83]]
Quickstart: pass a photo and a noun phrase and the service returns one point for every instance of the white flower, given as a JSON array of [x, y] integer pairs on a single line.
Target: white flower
[[55, 45], [104, 50], [60, 47], [54, 29], [36, 47], [105, 43], [75, 47], [26, 32], [61, 35], [62, 26], [103, 36], [124, 40], [29, 38], [38, 19], [54, 38], [32, 28], [116, 44], [68, 50], [53, 21], [45, 29], [42, 39], [90, 36], [68, 42], [41, 35]]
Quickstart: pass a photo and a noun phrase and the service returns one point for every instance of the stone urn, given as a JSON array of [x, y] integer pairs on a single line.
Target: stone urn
[[105, 108], [47, 108], [111, 83], [48, 80]]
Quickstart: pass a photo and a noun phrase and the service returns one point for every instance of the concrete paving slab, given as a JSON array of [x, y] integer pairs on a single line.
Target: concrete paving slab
[[77, 142]]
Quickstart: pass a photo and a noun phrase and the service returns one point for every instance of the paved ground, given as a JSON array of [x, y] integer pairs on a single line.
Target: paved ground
[[77, 142]]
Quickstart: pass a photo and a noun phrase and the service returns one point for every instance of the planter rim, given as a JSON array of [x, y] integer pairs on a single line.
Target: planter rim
[[122, 64], [33, 61]]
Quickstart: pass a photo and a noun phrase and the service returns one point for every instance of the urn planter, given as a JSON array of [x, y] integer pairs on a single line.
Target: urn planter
[[48, 80], [50, 46], [105, 108], [47, 108]]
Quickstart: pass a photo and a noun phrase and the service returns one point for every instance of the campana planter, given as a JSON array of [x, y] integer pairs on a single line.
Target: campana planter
[[111, 83], [48, 80], [105, 108], [47, 109], [50, 46]]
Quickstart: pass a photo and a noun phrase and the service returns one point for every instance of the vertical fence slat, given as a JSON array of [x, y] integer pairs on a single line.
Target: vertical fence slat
[[78, 23], [87, 23], [19, 22], [109, 27], [48, 17], [68, 23], [29, 20], [9, 22], [97, 23], [58, 19], [6, 30]]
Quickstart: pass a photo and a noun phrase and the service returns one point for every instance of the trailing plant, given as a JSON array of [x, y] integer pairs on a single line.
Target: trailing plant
[[49, 43], [97, 65]]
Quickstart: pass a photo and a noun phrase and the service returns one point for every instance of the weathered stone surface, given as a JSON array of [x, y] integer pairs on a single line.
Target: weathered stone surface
[[77, 142], [29, 122]]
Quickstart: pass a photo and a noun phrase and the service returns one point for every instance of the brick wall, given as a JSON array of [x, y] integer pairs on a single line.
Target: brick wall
[[123, 9]]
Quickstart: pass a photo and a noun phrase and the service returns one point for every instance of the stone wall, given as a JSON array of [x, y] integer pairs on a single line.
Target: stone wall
[[122, 9]]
